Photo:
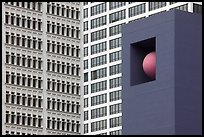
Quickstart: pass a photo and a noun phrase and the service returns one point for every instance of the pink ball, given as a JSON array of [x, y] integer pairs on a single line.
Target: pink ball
[[149, 65]]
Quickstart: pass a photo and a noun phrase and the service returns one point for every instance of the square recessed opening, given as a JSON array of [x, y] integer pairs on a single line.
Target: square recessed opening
[[138, 52]]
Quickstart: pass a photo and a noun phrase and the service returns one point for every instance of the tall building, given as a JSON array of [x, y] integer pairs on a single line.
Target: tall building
[[102, 23], [41, 68]]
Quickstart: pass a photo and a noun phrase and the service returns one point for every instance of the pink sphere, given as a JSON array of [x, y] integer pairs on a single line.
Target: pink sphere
[[149, 65]]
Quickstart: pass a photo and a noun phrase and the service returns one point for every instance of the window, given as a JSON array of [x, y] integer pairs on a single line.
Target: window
[[97, 35], [85, 3], [99, 112], [99, 86], [116, 108], [114, 30], [115, 82], [86, 102], [115, 43], [12, 19], [100, 73], [98, 9], [85, 13], [98, 22], [136, 10], [85, 77], [85, 51], [7, 57], [97, 61], [115, 69], [86, 89], [7, 18], [86, 115], [28, 22], [7, 37], [18, 20], [115, 56], [116, 16], [156, 5], [86, 128], [86, 64], [98, 125], [115, 122], [115, 95], [99, 99], [114, 5], [85, 26], [85, 38]]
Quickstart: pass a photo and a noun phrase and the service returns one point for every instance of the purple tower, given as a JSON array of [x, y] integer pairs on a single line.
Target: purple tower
[[171, 103]]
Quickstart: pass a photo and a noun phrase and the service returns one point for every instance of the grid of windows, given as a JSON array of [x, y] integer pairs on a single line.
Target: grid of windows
[[97, 61], [115, 69], [97, 48], [136, 10], [156, 5], [37, 6], [23, 21], [63, 10], [115, 95], [115, 43], [116, 108], [114, 30], [63, 86], [63, 105], [114, 5], [98, 9], [97, 35], [182, 7], [29, 30], [21, 79], [115, 122], [115, 82], [23, 41], [197, 8], [98, 22], [99, 99], [99, 86], [23, 99], [99, 73], [116, 132], [116, 16], [99, 112], [26, 119], [63, 124], [98, 125], [115, 56]]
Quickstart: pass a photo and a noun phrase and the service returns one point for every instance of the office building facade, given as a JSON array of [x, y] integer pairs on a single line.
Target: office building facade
[[102, 23], [41, 68]]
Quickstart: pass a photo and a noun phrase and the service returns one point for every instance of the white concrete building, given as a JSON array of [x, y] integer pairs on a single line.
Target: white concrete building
[[41, 68], [102, 58]]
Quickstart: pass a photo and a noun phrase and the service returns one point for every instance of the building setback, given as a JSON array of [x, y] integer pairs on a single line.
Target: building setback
[[41, 68], [102, 23]]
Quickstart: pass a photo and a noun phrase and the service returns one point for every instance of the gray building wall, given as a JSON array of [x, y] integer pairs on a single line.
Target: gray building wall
[[165, 105]]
